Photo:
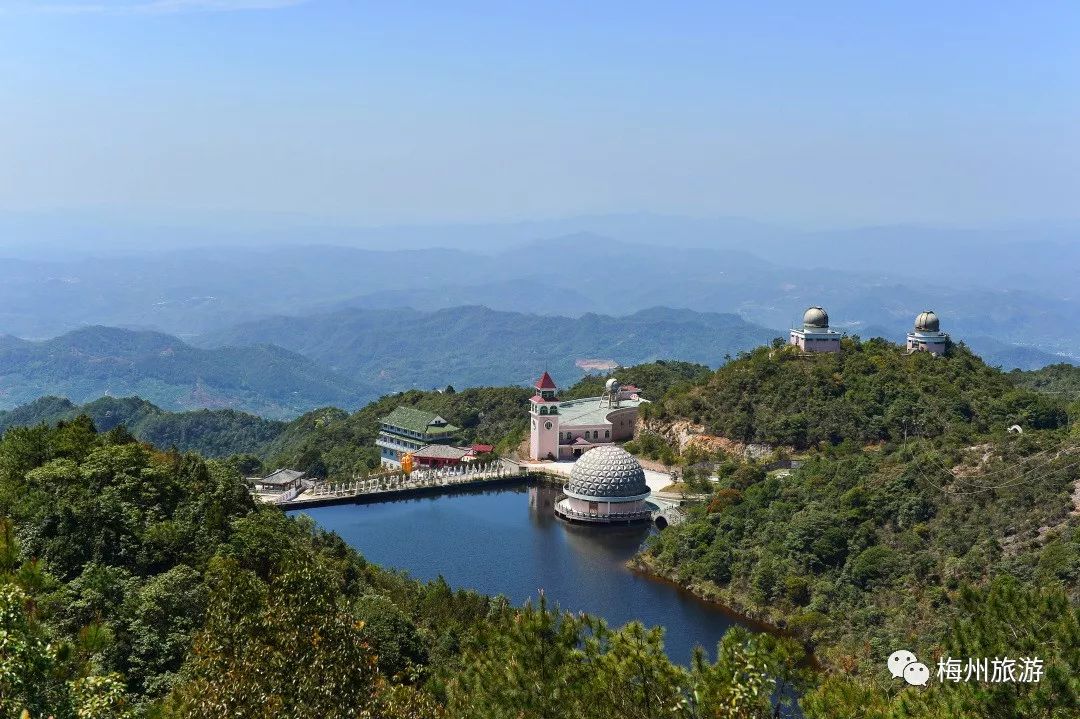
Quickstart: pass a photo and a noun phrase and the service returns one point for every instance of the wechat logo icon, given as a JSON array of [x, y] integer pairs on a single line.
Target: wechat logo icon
[[904, 664]]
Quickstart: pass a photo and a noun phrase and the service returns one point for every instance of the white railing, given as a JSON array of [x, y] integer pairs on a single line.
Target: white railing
[[616, 516], [443, 477]]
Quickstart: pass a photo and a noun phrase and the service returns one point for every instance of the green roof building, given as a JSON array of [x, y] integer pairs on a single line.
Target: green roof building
[[408, 429]]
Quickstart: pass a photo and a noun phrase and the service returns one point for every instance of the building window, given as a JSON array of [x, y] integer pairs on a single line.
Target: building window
[[607, 434], [595, 434]]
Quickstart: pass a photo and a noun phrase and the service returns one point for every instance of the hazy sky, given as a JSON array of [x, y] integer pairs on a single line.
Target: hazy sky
[[951, 112]]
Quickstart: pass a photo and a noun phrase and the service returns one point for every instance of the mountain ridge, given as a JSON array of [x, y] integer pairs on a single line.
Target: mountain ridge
[[477, 346], [95, 361]]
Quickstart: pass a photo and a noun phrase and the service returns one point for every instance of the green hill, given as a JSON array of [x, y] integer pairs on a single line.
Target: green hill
[[1059, 380], [96, 361], [872, 391], [910, 498], [210, 433]]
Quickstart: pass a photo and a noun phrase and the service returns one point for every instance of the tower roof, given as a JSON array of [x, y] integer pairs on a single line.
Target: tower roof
[[545, 382]]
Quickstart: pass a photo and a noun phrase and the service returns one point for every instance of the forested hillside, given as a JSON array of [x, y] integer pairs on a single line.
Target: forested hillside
[[872, 391], [1060, 380], [210, 433], [86, 364], [912, 505]]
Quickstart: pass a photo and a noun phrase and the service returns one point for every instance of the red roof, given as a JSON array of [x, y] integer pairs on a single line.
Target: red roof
[[482, 448], [581, 441], [538, 399], [545, 382]]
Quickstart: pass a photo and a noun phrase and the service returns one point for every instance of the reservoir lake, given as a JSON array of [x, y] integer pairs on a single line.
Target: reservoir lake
[[508, 541]]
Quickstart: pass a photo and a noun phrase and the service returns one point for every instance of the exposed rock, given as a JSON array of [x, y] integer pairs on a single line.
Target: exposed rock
[[683, 433]]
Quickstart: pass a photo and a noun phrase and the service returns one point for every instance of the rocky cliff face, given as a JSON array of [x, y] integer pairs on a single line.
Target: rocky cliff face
[[683, 433]]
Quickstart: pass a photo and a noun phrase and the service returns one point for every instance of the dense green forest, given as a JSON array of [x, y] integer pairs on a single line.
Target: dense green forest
[[210, 433], [871, 391], [137, 583], [912, 494], [1061, 380]]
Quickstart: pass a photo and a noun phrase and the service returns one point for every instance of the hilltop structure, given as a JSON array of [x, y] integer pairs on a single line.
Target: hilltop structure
[[407, 430], [566, 429], [927, 335], [815, 335], [607, 486]]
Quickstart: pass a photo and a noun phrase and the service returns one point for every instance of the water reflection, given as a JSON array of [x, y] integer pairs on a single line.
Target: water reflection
[[509, 542]]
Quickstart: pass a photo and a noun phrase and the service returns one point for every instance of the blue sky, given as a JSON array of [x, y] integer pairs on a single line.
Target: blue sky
[[829, 112]]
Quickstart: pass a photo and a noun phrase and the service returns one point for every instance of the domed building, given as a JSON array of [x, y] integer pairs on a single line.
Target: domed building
[[927, 335], [815, 335], [607, 486]]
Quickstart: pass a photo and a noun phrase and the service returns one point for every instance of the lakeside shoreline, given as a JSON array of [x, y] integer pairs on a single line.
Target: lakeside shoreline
[[642, 565]]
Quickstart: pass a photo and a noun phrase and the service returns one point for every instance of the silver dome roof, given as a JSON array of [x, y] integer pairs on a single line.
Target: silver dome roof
[[815, 318], [607, 471], [927, 322]]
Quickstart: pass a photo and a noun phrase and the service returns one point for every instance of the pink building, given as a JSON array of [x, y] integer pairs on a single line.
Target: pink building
[[815, 335], [544, 420], [927, 335], [567, 429]]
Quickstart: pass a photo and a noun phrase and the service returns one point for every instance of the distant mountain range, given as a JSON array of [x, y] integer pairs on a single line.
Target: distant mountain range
[[88, 363], [1014, 286], [476, 346], [281, 367]]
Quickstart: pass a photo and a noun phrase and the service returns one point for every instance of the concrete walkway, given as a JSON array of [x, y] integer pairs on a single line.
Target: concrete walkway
[[655, 480]]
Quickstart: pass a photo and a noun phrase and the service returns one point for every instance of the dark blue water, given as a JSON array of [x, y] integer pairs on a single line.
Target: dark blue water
[[509, 542]]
